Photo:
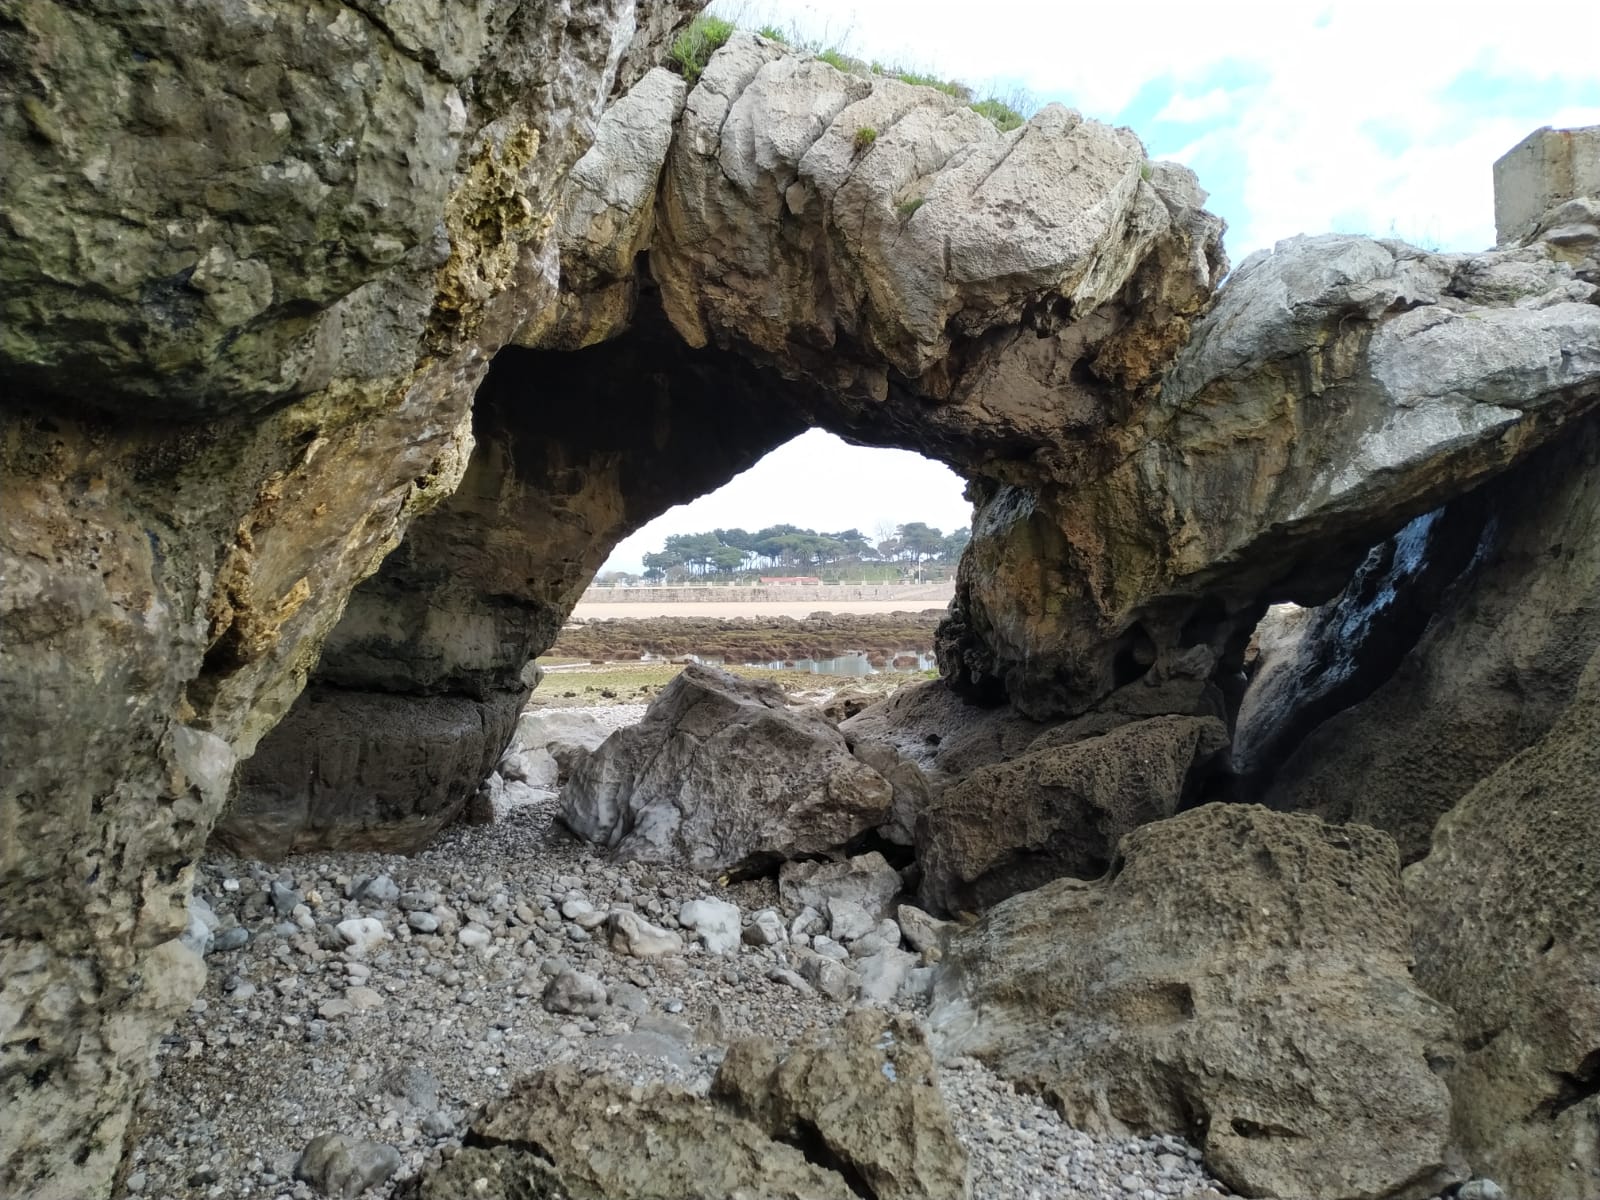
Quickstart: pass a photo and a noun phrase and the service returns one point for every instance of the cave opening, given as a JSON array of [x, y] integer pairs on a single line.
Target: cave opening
[[420, 684]]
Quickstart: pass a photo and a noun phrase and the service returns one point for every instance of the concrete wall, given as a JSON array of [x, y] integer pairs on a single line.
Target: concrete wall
[[1544, 169], [933, 593]]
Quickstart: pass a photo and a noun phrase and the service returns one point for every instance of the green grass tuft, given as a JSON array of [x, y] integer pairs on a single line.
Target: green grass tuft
[[1002, 115], [693, 48], [864, 138], [773, 34], [907, 207], [837, 59], [948, 86]]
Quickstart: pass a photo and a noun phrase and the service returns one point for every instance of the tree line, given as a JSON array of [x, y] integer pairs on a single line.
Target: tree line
[[790, 548]]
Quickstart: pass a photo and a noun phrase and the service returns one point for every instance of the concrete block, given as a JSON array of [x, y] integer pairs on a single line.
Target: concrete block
[[1544, 169]]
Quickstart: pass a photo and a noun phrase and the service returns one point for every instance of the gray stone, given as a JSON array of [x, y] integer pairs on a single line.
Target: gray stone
[[284, 899], [675, 786], [575, 993], [866, 880], [361, 934], [229, 939], [714, 922], [765, 929], [631, 934], [344, 1167], [884, 974]]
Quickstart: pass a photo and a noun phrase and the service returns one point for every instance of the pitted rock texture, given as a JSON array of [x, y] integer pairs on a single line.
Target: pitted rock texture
[[866, 1089], [852, 1110], [1057, 811], [256, 262], [1506, 933], [722, 774], [1240, 975], [1496, 666]]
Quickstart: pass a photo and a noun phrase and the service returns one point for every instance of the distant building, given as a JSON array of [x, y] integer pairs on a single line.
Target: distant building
[[797, 580]]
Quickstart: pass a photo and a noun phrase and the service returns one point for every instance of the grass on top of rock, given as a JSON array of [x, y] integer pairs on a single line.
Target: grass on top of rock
[[706, 34], [864, 138], [1004, 117], [693, 48]]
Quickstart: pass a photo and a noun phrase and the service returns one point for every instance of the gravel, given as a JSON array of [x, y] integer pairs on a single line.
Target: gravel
[[383, 999]]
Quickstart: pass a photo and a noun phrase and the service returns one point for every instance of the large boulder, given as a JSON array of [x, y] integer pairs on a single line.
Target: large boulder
[[1495, 666], [1506, 917], [257, 261], [851, 1110], [722, 774], [1240, 977], [866, 1089], [1057, 811], [364, 772]]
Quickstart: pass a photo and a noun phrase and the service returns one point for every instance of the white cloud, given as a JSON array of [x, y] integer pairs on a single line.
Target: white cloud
[[1189, 110], [1321, 82], [816, 481]]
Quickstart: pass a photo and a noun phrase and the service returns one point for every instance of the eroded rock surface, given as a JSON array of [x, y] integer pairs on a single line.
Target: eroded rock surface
[[1241, 976], [1495, 667], [855, 1110], [1058, 811], [1339, 387], [723, 774], [256, 261], [1506, 932]]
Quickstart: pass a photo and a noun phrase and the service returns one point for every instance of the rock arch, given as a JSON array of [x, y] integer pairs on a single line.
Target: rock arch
[[233, 391]]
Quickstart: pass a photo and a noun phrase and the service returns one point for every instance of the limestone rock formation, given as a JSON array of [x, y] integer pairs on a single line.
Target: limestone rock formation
[[256, 261], [1340, 387], [260, 258], [1064, 809], [860, 1097], [722, 774], [1506, 932], [1497, 663], [1240, 976]]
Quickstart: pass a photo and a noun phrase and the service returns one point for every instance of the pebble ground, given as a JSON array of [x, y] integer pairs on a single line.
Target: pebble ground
[[298, 1033]]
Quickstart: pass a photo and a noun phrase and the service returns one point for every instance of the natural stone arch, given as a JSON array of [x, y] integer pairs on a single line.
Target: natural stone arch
[[198, 472]]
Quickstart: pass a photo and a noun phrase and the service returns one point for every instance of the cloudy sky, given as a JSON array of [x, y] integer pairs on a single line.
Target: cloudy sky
[[1353, 116]]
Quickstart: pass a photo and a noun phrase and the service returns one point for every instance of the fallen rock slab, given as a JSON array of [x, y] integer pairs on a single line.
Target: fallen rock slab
[[723, 775], [1239, 977], [1058, 811], [866, 881], [861, 1098]]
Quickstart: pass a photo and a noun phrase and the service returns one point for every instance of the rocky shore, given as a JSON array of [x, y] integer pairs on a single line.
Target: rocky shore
[[387, 998]]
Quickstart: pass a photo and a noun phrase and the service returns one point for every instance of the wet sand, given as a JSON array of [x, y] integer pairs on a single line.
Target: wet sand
[[756, 608]]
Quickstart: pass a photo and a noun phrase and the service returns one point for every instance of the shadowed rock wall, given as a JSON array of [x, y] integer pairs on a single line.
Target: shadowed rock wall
[[419, 687]]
